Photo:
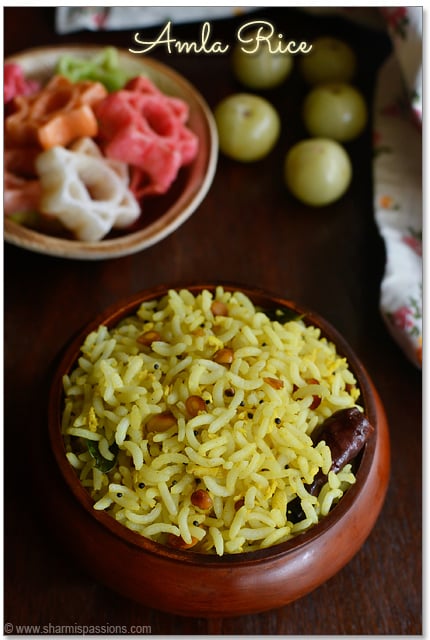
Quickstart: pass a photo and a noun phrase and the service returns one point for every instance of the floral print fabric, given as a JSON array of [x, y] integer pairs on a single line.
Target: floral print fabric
[[398, 178], [69, 19]]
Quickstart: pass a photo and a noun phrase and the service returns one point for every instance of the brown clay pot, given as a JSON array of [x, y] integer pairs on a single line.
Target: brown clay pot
[[192, 584]]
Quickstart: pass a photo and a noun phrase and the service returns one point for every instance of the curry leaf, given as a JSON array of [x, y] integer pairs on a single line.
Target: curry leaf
[[103, 464], [282, 314]]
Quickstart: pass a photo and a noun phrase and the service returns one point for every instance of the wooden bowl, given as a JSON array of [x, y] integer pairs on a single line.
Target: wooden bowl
[[193, 584], [162, 214]]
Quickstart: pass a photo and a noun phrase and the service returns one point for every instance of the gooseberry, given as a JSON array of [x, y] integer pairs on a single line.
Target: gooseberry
[[330, 60], [335, 110], [248, 126], [317, 171]]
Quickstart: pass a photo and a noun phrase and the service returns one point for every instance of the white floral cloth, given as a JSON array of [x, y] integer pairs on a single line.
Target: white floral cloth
[[70, 19], [397, 162], [398, 178]]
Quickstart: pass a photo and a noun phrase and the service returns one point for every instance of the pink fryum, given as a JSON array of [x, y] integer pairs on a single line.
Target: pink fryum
[[146, 129], [15, 83]]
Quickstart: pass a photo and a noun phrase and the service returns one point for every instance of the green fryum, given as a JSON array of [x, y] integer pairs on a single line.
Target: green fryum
[[103, 67], [103, 464]]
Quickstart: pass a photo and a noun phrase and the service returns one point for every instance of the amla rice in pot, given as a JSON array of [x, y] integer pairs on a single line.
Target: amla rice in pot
[[214, 473]]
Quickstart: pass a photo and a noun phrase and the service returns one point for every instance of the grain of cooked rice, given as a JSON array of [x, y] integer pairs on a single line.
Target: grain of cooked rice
[[250, 448]]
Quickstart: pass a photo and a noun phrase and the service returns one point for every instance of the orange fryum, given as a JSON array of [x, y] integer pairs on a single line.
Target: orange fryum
[[56, 115]]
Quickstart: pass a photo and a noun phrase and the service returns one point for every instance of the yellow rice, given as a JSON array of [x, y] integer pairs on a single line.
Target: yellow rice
[[250, 448]]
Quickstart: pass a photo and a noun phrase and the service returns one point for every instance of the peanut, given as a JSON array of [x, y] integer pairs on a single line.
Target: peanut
[[239, 503], [148, 338], [161, 421], [201, 499], [179, 543], [224, 356], [195, 404], [218, 308], [275, 383]]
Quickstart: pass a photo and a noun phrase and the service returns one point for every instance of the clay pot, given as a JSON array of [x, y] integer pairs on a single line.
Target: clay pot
[[193, 584]]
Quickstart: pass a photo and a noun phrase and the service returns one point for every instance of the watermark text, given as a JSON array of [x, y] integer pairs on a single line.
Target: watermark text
[[76, 629]]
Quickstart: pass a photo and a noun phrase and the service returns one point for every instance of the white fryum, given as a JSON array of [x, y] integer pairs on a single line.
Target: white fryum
[[87, 192]]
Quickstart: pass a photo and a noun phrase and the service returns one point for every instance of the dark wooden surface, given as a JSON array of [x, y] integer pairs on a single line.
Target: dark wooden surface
[[248, 229]]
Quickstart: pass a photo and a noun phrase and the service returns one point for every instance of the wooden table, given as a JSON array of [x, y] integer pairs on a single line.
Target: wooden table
[[250, 230]]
